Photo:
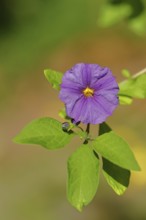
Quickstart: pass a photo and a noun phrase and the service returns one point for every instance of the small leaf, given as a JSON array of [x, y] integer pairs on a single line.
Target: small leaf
[[116, 150], [53, 77], [134, 87], [117, 177], [46, 132], [83, 177], [126, 73], [62, 113], [125, 100]]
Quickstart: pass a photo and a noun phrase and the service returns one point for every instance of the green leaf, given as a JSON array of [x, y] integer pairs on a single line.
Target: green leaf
[[116, 150], [53, 77], [62, 113], [83, 177], [46, 132], [134, 87], [126, 73], [117, 177], [125, 100]]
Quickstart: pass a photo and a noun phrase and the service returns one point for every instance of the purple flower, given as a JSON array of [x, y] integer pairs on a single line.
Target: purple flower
[[89, 92]]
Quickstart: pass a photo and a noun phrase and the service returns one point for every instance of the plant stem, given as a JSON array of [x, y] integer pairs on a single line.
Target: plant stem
[[140, 73], [87, 131], [88, 128]]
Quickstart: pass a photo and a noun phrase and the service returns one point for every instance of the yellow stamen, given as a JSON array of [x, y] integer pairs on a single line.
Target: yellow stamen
[[88, 92]]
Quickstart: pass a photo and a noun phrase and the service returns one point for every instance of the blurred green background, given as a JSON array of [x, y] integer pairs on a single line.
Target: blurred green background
[[40, 34]]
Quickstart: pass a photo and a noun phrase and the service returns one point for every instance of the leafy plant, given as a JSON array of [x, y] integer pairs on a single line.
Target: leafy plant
[[108, 151]]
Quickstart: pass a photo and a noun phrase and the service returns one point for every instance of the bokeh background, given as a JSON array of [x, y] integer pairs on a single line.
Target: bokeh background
[[40, 34]]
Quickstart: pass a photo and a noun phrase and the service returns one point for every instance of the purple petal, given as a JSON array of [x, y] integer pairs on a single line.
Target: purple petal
[[89, 109]]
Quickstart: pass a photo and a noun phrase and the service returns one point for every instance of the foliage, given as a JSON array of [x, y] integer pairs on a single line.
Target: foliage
[[54, 78], [46, 132], [133, 87], [108, 152], [128, 12], [83, 176]]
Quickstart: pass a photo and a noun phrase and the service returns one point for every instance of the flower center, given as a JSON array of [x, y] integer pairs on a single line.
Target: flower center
[[88, 92]]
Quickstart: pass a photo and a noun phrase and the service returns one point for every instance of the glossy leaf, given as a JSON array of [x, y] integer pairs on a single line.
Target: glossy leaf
[[53, 77], [115, 149], [117, 177], [83, 177], [46, 132]]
